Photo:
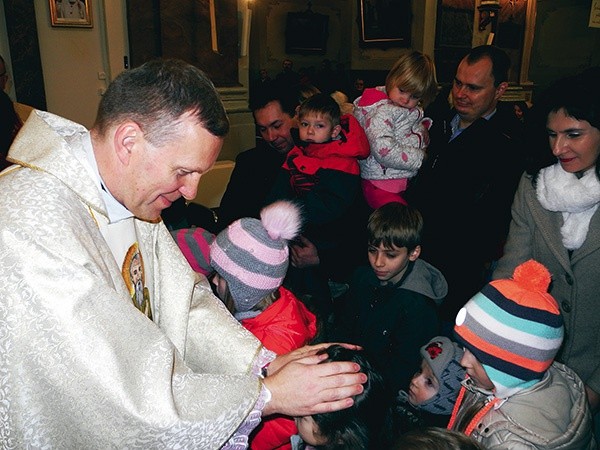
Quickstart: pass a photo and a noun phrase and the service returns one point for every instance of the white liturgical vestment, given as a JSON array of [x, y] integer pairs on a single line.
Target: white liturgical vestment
[[80, 365]]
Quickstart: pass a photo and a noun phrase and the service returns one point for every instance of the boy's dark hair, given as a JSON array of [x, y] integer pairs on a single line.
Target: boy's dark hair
[[500, 61], [363, 425], [322, 104], [394, 224]]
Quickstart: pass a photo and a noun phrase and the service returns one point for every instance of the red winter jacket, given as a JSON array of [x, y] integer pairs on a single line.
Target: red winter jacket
[[340, 154], [284, 326]]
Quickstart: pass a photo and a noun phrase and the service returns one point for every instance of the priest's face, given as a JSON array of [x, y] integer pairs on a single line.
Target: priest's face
[[155, 177]]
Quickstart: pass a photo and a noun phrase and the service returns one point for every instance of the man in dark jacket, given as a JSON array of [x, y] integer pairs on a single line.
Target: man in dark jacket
[[467, 182], [255, 169]]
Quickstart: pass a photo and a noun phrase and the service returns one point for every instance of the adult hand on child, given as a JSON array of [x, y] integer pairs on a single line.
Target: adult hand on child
[[304, 387], [302, 352]]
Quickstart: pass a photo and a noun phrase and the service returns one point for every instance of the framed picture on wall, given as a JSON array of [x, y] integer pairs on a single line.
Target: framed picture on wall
[[71, 13], [384, 23], [306, 33]]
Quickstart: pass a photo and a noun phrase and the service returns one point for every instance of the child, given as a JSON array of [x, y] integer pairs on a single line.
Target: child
[[433, 438], [391, 307], [362, 426], [515, 396], [194, 243], [322, 175], [329, 140], [392, 116], [250, 258], [433, 389]]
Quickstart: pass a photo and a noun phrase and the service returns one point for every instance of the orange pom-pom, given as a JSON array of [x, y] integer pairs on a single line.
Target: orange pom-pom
[[533, 276]]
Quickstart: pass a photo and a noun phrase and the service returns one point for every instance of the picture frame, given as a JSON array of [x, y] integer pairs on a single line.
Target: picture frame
[[71, 13], [384, 23], [306, 33]]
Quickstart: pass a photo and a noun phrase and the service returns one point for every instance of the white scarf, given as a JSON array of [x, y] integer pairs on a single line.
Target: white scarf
[[576, 198]]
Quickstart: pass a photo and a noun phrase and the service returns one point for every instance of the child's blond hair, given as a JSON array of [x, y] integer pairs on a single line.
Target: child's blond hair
[[414, 72]]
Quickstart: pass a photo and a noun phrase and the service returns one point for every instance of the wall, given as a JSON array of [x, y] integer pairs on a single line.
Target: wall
[[268, 36], [74, 59], [78, 64], [5, 51], [74, 65], [563, 43]]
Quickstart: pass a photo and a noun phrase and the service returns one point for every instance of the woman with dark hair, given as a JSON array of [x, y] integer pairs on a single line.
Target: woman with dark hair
[[9, 126], [555, 218]]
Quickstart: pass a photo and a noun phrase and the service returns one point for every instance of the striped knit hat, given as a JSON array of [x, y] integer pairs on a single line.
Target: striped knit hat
[[194, 243], [252, 255], [514, 328]]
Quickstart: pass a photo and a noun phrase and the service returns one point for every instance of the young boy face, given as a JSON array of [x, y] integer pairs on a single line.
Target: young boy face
[[423, 386], [389, 263], [309, 431], [317, 128], [476, 371]]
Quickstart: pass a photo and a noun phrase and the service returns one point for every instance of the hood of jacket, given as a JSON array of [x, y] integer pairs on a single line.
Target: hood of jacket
[[371, 96], [425, 279]]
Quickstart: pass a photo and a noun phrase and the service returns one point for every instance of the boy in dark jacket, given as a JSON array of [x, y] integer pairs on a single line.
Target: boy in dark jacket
[[391, 307]]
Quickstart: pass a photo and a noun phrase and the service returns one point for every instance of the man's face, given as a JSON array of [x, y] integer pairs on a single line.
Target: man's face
[[473, 91], [154, 177], [275, 126], [136, 269]]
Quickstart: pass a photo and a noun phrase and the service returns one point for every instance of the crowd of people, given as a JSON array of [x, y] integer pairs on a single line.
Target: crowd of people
[[390, 267]]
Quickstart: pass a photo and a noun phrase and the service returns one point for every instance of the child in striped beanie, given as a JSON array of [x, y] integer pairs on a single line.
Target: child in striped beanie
[[250, 258], [515, 394], [194, 243]]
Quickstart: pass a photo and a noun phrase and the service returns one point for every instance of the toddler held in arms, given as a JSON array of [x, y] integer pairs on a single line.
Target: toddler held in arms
[[393, 119]]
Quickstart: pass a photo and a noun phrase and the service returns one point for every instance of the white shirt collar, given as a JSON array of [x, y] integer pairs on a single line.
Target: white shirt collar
[[115, 210]]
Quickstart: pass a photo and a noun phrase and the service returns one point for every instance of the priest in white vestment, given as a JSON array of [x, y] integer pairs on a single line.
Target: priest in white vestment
[[108, 339]]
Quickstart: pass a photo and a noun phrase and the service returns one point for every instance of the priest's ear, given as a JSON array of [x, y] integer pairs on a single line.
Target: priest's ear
[[128, 136]]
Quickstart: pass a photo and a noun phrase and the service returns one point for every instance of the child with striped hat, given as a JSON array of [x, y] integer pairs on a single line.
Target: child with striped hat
[[515, 394], [250, 258]]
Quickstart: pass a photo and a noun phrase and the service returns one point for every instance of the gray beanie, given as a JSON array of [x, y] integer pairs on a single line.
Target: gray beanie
[[443, 356], [252, 255]]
